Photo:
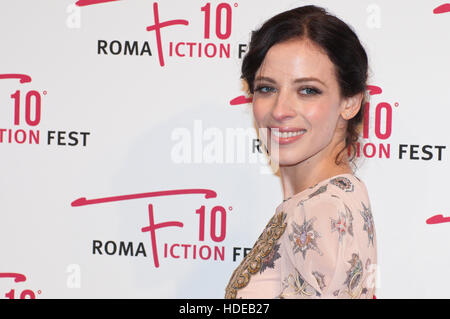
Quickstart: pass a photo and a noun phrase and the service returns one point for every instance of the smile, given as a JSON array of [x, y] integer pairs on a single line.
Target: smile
[[283, 136]]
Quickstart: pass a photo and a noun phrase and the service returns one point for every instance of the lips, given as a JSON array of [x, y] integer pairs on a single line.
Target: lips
[[286, 135], [287, 128]]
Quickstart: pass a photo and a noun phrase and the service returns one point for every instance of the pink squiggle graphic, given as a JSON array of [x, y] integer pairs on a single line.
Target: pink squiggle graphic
[[83, 201], [373, 89], [83, 3], [438, 219], [241, 100], [22, 77], [443, 8], [17, 277]]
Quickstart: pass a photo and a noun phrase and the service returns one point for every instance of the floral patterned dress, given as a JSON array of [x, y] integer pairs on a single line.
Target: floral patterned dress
[[320, 243]]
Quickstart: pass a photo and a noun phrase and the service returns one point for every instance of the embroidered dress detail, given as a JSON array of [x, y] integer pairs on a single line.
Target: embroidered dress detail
[[269, 260], [254, 261], [320, 279], [368, 222], [343, 183], [320, 243], [320, 190], [295, 284], [343, 224], [354, 275], [304, 237]]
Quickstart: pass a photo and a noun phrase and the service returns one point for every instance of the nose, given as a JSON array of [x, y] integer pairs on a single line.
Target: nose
[[284, 106]]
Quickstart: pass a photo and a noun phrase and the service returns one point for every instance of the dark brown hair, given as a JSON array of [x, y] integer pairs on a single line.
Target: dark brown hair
[[332, 35]]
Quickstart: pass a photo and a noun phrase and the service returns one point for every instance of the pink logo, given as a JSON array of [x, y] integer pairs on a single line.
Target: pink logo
[[152, 227]]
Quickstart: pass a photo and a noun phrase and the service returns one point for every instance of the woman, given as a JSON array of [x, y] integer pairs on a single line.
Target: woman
[[307, 73]]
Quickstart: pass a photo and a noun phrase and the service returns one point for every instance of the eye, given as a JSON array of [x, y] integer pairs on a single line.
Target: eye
[[264, 89], [310, 91]]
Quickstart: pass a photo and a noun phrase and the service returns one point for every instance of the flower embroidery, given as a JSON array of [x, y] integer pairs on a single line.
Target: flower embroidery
[[343, 183], [368, 223], [259, 257], [304, 237], [343, 224]]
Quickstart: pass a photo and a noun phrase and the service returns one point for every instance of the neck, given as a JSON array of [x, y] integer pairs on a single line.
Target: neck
[[298, 177]]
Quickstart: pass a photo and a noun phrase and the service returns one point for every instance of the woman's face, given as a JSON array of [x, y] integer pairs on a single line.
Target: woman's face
[[296, 91]]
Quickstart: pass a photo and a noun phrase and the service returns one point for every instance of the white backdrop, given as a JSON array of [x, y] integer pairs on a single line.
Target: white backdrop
[[91, 108]]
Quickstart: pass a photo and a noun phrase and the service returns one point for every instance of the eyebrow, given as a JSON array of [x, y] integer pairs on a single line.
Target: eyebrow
[[299, 80]]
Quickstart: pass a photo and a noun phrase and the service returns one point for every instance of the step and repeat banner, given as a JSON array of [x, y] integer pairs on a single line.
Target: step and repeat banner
[[130, 163]]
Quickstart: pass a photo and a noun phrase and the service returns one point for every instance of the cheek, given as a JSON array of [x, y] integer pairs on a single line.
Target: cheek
[[260, 110], [321, 117]]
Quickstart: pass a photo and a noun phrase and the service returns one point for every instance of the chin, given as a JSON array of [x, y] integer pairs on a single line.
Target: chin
[[289, 157], [292, 162]]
